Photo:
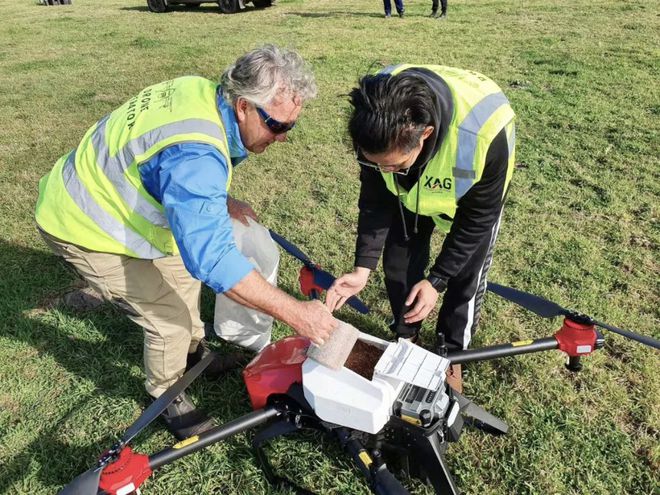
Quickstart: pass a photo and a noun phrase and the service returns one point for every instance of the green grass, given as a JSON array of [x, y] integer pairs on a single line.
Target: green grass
[[580, 228]]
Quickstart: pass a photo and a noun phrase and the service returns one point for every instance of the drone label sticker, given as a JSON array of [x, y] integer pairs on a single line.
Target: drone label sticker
[[186, 442], [365, 458], [521, 343]]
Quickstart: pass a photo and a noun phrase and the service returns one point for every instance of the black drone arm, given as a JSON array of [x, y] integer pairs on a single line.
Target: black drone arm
[[129, 470], [503, 350], [380, 479], [576, 337], [214, 435]]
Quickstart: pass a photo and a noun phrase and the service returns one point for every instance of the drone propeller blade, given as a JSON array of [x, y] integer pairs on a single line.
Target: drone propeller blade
[[88, 482], [535, 304], [159, 405], [291, 248], [321, 278], [85, 484], [325, 280], [548, 309], [650, 341]]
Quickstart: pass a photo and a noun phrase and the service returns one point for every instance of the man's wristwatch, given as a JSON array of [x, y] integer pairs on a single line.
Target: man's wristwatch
[[439, 284]]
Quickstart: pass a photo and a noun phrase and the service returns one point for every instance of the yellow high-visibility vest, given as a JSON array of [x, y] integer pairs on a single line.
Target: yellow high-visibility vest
[[481, 111], [94, 197]]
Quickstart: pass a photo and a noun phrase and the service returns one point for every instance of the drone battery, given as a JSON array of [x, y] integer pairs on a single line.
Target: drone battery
[[417, 405]]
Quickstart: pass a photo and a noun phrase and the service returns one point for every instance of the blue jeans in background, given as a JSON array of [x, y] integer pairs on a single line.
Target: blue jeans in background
[[388, 7]]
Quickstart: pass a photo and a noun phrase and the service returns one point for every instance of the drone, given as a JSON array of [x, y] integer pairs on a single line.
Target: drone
[[388, 406]]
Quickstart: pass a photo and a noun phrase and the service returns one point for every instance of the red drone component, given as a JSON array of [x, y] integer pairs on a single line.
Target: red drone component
[[576, 339], [126, 474], [308, 287], [275, 369]]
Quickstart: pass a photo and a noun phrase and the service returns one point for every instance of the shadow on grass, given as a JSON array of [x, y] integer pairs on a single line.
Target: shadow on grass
[[31, 279], [203, 9], [210, 8], [99, 355], [335, 13]]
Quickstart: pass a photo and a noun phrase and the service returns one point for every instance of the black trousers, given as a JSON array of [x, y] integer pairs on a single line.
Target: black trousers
[[434, 7], [405, 264]]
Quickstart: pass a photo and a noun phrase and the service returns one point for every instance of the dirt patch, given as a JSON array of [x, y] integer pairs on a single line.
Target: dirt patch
[[363, 358]]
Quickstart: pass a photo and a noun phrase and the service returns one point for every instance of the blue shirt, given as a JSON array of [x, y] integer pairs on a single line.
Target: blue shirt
[[190, 181]]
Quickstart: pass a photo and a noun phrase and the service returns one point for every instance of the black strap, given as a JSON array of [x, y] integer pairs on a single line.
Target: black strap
[[280, 427]]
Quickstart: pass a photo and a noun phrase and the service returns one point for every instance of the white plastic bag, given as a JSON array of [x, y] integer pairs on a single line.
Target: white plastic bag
[[237, 323]]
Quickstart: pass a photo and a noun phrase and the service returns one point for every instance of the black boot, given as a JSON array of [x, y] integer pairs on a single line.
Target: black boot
[[184, 420], [220, 364]]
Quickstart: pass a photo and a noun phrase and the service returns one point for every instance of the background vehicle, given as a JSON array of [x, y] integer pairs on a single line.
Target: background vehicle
[[226, 6]]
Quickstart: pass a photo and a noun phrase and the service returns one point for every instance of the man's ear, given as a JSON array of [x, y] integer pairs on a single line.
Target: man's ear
[[241, 107], [428, 130]]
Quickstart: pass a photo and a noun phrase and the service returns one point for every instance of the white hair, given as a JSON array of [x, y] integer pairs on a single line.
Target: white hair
[[267, 73]]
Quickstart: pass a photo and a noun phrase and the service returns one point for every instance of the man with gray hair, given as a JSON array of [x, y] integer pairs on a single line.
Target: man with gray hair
[[141, 211]]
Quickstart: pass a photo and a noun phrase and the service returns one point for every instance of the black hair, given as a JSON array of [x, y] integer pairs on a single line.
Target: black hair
[[390, 112]]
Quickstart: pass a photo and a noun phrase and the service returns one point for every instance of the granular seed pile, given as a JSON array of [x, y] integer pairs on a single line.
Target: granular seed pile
[[363, 358]]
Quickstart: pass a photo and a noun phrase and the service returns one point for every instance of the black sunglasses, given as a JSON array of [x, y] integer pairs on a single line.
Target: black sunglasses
[[275, 126]]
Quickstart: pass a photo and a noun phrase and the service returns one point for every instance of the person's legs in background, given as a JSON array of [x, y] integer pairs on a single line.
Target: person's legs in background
[[443, 12], [399, 7], [434, 9], [387, 4]]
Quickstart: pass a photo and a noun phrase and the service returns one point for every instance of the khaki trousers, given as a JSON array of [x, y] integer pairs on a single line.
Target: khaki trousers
[[159, 295]]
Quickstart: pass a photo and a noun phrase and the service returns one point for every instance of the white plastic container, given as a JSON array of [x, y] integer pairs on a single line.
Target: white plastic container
[[237, 323], [345, 398]]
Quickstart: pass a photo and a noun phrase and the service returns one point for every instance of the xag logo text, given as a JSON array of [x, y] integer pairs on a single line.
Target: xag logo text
[[437, 183]]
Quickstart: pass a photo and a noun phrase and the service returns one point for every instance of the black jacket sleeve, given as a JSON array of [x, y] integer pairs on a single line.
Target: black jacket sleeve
[[377, 207], [477, 212]]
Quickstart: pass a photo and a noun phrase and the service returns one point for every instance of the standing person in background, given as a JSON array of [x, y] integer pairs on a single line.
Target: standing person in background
[[434, 10], [436, 148], [388, 8], [141, 210]]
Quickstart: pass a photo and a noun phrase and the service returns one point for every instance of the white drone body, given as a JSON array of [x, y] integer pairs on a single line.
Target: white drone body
[[405, 375]]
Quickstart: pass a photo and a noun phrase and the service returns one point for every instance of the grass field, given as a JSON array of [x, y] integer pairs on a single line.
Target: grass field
[[580, 228]]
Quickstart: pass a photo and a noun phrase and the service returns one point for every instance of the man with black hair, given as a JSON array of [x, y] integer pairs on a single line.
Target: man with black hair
[[436, 148]]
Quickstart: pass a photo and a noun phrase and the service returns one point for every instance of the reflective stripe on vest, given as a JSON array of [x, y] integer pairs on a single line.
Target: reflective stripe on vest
[[511, 139], [114, 167], [467, 140], [480, 112], [104, 206], [104, 220], [389, 69]]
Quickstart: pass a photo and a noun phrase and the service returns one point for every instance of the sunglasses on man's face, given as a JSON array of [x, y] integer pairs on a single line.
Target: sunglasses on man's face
[[275, 126]]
